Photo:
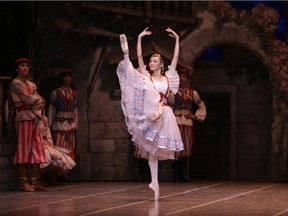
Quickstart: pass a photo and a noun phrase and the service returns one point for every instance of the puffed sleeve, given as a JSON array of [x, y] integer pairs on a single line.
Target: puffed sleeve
[[29, 98], [173, 79], [201, 111]]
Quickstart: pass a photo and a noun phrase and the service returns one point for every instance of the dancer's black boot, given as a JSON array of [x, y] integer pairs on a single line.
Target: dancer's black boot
[[185, 169], [176, 170], [141, 170]]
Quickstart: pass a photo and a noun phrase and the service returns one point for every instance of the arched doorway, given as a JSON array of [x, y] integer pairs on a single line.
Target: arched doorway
[[211, 156], [236, 136]]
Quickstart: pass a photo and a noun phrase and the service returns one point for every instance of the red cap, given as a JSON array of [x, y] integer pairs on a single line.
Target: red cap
[[184, 71], [21, 60]]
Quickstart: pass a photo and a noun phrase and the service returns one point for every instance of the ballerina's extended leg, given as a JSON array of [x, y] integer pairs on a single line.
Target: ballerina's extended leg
[[154, 185], [124, 44]]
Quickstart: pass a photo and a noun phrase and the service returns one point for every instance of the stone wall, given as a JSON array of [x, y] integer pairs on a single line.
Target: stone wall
[[250, 144], [254, 130], [7, 142]]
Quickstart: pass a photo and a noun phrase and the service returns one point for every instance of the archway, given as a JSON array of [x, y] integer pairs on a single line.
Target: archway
[[208, 35]]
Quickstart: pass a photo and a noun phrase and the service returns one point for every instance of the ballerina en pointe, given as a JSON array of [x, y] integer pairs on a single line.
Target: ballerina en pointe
[[155, 188], [124, 44]]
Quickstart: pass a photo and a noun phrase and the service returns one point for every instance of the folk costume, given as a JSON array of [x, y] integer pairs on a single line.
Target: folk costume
[[63, 116], [183, 104], [30, 150]]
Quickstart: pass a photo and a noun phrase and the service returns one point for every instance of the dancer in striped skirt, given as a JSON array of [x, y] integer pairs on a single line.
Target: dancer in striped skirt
[[63, 113], [30, 150]]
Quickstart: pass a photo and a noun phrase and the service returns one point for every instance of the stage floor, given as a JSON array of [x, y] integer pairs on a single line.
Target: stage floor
[[219, 198]]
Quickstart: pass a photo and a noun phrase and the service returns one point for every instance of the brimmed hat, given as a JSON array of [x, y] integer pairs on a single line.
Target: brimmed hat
[[184, 71], [21, 60]]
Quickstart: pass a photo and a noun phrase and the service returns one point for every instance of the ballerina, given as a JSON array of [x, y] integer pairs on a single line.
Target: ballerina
[[144, 101]]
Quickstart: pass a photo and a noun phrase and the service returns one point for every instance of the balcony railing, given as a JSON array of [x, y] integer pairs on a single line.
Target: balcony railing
[[177, 11]]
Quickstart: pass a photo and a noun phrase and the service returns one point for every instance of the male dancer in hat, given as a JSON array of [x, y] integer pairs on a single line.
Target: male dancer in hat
[[182, 104], [30, 150]]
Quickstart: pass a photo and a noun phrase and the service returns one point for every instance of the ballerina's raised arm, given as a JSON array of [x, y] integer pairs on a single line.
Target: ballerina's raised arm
[[176, 48], [139, 48]]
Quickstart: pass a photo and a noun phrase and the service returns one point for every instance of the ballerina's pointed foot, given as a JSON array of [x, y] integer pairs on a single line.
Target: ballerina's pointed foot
[[155, 188], [124, 44]]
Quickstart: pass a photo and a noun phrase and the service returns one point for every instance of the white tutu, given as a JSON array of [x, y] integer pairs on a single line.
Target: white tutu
[[153, 127]]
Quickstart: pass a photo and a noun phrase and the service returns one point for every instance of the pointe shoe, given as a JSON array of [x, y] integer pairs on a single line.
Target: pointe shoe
[[155, 188], [124, 44]]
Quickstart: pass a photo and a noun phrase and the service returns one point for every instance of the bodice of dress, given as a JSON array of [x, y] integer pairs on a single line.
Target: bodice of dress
[[162, 87]]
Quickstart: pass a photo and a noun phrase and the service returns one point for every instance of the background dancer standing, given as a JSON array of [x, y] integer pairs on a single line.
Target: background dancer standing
[[183, 103]]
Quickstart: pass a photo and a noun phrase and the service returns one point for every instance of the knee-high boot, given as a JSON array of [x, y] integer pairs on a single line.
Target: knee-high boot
[[35, 178], [141, 169], [186, 169], [176, 170], [24, 181], [154, 185]]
